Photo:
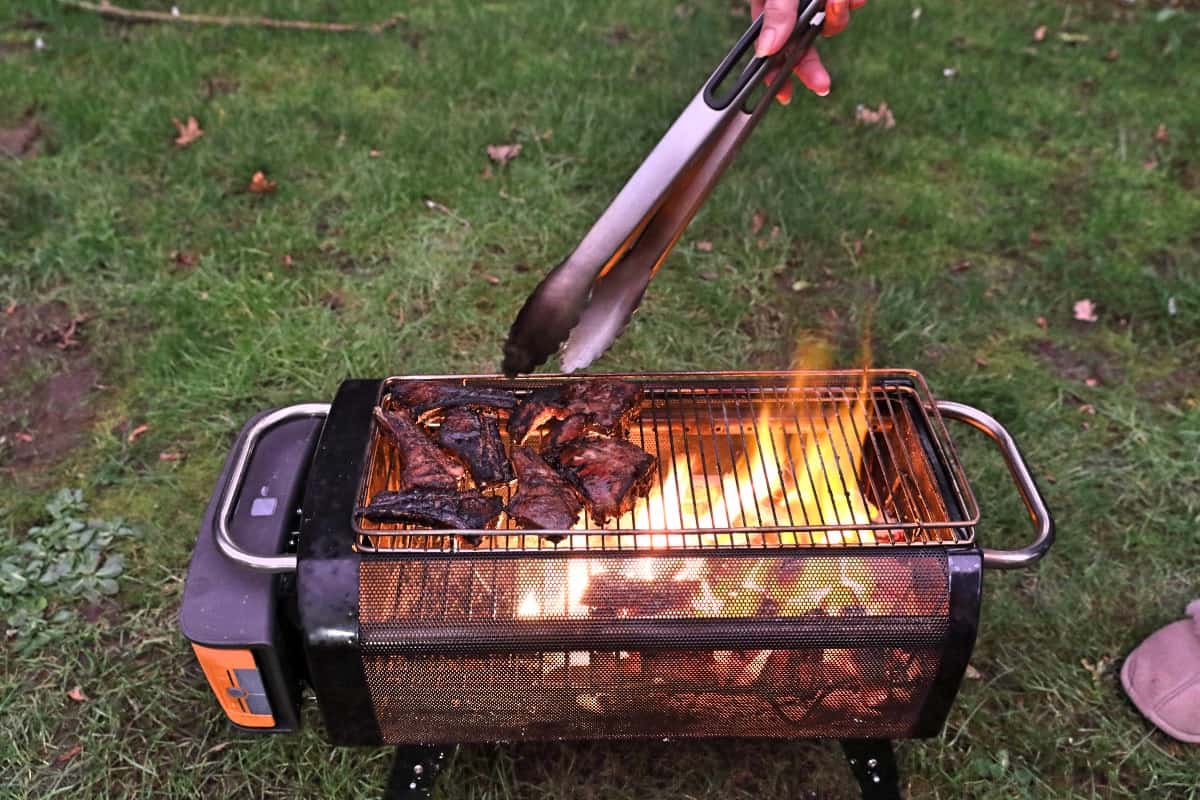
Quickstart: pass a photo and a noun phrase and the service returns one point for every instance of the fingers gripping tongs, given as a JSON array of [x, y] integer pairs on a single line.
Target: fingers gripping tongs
[[588, 299]]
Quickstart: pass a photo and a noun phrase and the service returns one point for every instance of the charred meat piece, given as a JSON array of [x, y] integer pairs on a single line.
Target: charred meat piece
[[610, 474], [424, 397], [436, 508], [592, 408], [475, 438], [544, 501], [541, 407], [423, 464]]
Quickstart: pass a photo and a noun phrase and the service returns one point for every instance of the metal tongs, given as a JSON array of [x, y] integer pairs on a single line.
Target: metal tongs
[[588, 299]]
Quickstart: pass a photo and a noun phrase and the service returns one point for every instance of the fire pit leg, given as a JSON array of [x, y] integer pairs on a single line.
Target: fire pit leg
[[873, 762], [413, 772]]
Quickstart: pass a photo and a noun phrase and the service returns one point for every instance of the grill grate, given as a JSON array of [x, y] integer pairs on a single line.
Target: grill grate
[[745, 460]]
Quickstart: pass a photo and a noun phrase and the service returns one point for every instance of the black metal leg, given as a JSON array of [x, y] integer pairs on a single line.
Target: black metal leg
[[413, 772], [873, 762]]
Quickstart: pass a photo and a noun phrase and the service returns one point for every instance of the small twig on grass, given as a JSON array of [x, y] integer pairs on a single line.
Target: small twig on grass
[[107, 9]]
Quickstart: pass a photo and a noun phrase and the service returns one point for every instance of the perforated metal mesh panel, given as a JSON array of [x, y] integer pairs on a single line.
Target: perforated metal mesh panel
[[786, 645]]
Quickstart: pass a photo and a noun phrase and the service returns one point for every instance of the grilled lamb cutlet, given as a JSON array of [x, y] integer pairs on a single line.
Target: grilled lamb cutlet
[[543, 499], [424, 465], [436, 508], [423, 398], [610, 474], [604, 408], [475, 438]]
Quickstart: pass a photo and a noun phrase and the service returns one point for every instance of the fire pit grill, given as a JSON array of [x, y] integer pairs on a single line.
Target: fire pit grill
[[805, 564], [702, 427]]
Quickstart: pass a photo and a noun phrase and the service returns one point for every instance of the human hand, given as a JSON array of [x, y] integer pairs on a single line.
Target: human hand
[[778, 21]]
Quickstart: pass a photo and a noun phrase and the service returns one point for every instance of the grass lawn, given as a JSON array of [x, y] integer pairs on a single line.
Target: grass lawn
[[1020, 178]]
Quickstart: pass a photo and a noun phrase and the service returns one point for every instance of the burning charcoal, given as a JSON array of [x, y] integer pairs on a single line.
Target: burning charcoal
[[610, 473], [425, 465], [422, 396], [437, 508], [603, 408], [544, 501], [475, 438], [614, 595]]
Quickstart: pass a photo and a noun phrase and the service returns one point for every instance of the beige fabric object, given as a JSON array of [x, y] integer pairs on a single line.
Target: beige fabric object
[[1162, 677]]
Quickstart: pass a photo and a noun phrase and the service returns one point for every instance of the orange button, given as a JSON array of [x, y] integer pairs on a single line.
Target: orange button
[[238, 685]]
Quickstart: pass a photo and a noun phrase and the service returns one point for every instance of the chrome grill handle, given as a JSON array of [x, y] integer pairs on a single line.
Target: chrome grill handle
[[285, 562], [1043, 523]]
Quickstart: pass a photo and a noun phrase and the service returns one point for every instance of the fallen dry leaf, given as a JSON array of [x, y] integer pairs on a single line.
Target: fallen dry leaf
[[374, 153], [333, 299], [286, 261], [1042, 323], [216, 748], [184, 259], [1112, 55], [434, 205], [800, 285], [21, 141], [1035, 239], [492, 279], [709, 275], [1149, 163], [68, 754], [1161, 135], [77, 695], [881, 116], [170, 456], [503, 153], [973, 674], [757, 221], [188, 132], [980, 361], [961, 266], [1039, 33], [22, 436], [63, 338], [137, 432], [1074, 38], [704, 246], [1087, 408], [486, 172], [11, 308], [858, 248], [261, 184], [1085, 311], [1091, 382]]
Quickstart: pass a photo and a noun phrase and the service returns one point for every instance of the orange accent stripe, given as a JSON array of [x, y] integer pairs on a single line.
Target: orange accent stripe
[[219, 665]]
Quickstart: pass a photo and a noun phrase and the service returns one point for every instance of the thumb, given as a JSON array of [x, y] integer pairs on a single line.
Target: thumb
[[779, 18]]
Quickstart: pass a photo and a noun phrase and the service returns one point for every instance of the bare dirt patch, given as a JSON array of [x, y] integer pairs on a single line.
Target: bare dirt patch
[[48, 379], [21, 141], [1089, 367]]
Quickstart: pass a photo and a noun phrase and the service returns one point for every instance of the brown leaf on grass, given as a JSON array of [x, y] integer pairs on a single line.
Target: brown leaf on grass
[[1092, 382], [709, 275], [261, 184], [77, 695], [704, 246], [486, 172], [1161, 135], [374, 153], [1042, 323], [11, 308], [881, 116], [333, 299], [170, 455], [216, 748], [68, 754], [619, 35], [62, 337], [980, 361], [757, 221], [961, 266], [184, 259], [503, 153], [137, 432], [1087, 408], [1039, 33], [286, 261], [434, 205], [1085, 311], [973, 674], [189, 131], [21, 141], [22, 436], [492, 279], [1112, 55]]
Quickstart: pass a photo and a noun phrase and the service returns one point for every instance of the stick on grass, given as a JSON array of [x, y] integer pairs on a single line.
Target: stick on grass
[[106, 9]]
